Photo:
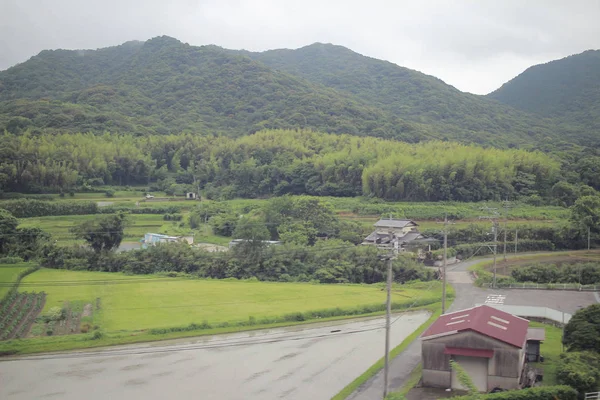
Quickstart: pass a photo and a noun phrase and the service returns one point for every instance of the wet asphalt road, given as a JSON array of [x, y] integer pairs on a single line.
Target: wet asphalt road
[[305, 362]]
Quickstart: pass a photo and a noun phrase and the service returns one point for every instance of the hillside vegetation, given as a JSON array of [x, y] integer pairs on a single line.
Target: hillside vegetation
[[410, 94], [275, 162], [163, 86], [567, 90]]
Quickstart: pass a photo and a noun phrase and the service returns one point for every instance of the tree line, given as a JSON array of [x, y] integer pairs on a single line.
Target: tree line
[[277, 162]]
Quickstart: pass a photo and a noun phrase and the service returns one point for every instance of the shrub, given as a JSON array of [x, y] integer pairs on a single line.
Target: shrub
[[10, 260], [581, 371], [97, 335], [109, 193], [38, 208], [536, 393], [583, 330]]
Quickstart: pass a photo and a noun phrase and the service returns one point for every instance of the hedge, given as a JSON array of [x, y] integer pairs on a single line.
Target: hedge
[[28, 208], [140, 210], [536, 393]]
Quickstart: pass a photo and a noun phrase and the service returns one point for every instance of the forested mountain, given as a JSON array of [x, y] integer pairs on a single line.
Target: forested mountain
[[164, 86], [409, 94], [567, 90]]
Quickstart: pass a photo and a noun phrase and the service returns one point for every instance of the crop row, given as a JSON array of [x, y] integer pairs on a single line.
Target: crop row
[[18, 317]]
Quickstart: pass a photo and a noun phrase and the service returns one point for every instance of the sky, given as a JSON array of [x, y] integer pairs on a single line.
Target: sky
[[473, 45]]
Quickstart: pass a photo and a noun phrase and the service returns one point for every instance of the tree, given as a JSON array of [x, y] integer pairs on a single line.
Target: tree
[[585, 213], [583, 330], [103, 234], [8, 228], [580, 370], [251, 229]]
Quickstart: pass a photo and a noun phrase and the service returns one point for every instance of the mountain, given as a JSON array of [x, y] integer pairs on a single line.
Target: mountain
[[165, 86], [410, 94], [567, 90]]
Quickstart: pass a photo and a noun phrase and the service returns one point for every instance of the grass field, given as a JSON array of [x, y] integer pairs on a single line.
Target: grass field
[[130, 303], [139, 224], [8, 274]]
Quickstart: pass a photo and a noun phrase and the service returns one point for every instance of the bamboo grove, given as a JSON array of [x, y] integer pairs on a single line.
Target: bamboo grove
[[275, 162]]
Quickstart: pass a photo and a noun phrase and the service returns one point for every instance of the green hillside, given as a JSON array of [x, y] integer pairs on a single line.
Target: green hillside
[[164, 86], [567, 90], [410, 95]]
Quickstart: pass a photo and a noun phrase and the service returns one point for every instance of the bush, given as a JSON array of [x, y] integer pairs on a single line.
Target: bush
[[581, 371], [584, 273], [536, 393], [38, 208], [172, 217], [109, 193], [10, 260]]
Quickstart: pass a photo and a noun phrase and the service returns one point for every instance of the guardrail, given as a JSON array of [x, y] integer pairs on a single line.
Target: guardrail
[[547, 286], [592, 396]]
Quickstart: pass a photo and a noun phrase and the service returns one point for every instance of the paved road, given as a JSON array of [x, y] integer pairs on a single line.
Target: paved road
[[467, 296], [306, 362]]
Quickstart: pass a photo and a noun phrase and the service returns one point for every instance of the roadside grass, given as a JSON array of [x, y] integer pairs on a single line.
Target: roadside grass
[[9, 274], [436, 310], [551, 349], [133, 303]]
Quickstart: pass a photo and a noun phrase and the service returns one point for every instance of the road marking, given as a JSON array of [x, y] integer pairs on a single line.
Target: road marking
[[495, 299]]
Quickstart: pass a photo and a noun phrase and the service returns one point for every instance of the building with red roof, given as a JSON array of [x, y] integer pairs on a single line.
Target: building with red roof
[[488, 343]]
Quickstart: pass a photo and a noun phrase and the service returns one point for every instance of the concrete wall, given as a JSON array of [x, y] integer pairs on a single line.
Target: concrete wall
[[440, 379]]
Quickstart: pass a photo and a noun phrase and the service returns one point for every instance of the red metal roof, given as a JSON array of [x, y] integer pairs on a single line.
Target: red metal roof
[[459, 351], [486, 320]]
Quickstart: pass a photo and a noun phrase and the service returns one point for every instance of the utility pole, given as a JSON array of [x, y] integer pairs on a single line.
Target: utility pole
[[589, 239], [495, 250], [388, 315], [506, 205], [445, 263], [516, 239], [494, 247]]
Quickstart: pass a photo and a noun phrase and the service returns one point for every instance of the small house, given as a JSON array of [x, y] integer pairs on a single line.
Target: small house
[[535, 337], [191, 196], [488, 343], [393, 233]]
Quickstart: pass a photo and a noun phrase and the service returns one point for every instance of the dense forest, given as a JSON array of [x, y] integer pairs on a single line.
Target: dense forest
[[410, 94], [163, 86], [566, 89], [279, 162]]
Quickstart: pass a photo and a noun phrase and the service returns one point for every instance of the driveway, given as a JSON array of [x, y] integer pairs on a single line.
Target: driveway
[[306, 362]]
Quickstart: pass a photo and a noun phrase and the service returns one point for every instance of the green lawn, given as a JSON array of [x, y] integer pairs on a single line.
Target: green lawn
[[141, 302], [8, 274], [551, 349]]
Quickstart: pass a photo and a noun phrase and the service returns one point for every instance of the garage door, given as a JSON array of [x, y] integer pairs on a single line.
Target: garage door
[[476, 368]]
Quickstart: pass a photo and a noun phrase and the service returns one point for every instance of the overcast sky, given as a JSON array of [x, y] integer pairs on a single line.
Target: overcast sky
[[474, 45]]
